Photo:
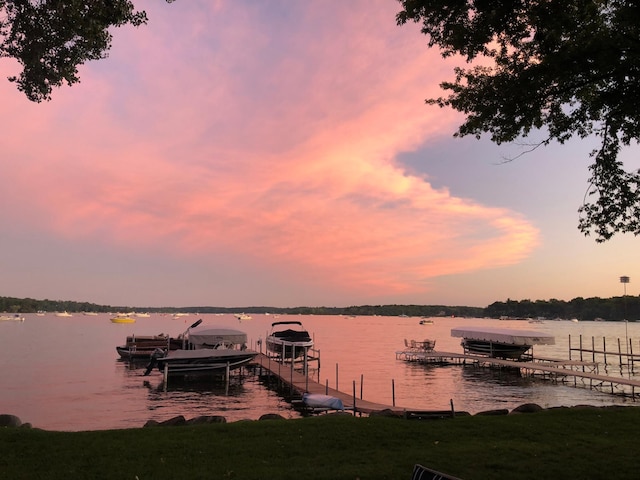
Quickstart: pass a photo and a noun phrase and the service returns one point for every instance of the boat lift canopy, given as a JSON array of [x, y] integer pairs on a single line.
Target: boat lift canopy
[[504, 335]]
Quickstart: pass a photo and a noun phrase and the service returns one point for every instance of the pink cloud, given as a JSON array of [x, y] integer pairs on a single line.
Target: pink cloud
[[201, 141]]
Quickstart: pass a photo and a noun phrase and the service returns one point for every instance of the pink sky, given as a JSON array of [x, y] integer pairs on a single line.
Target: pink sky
[[247, 153]]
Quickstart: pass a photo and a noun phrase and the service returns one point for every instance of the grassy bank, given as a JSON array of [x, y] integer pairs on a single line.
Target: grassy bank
[[560, 443]]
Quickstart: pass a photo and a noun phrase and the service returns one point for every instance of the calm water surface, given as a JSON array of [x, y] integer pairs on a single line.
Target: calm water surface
[[64, 373]]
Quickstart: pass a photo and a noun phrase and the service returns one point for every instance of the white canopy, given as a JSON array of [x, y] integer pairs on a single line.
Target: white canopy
[[504, 335], [211, 336]]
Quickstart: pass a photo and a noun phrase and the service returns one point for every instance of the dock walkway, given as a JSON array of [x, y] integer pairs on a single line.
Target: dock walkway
[[304, 384], [557, 370]]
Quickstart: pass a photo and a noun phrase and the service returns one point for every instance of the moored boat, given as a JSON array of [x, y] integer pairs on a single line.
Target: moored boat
[[500, 342], [16, 317], [142, 347], [212, 351], [288, 340]]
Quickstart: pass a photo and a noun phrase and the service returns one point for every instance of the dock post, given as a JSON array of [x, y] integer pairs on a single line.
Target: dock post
[[305, 362], [604, 349], [569, 347], [292, 365], [326, 387], [354, 397], [393, 392], [581, 348], [337, 377], [166, 375], [619, 354], [361, 384]]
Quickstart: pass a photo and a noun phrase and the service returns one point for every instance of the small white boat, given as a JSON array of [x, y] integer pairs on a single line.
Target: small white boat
[[63, 314], [288, 339], [16, 317], [243, 316], [500, 342]]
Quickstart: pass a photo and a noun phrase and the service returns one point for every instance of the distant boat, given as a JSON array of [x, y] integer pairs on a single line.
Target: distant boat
[[11, 318], [41, 313], [142, 315], [426, 321], [90, 314], [243, 316], [123, 318], [63, 314]]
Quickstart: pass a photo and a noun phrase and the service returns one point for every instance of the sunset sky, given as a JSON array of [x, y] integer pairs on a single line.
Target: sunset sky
[[243, 153]]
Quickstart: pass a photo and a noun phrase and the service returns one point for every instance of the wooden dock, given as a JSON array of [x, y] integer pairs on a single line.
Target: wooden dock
[[557, 370], [577, 373], [301, 383]]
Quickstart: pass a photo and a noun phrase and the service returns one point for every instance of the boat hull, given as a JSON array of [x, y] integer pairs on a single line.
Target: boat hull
[[495, 349], [288, 348], [123, 320], [204, 361]]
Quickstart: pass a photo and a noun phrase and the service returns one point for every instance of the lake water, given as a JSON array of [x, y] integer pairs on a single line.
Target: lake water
[[64, 373]]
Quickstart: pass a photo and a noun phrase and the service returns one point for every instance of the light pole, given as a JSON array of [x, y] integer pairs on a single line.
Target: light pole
[[624, 280]]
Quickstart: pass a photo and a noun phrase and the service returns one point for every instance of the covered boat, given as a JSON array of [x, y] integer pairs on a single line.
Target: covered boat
[[288, 340], [211, 351], [500, 342]]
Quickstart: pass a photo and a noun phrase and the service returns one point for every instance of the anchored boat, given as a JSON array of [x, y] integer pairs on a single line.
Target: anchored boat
[[500, 342]]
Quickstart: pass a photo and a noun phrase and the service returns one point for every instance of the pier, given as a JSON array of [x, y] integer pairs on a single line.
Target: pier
[[577, 372], [299, 382], [583, 372]]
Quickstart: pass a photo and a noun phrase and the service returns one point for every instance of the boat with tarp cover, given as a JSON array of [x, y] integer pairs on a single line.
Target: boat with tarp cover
[[500, 342], [211, 350]]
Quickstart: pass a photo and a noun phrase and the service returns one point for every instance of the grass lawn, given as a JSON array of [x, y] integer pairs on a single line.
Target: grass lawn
[[575, 443]]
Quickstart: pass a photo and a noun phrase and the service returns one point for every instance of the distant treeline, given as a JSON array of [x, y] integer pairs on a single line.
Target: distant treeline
[[615, 308]]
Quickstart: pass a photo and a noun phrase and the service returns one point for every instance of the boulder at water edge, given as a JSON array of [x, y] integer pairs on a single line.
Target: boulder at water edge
[[7, 420]]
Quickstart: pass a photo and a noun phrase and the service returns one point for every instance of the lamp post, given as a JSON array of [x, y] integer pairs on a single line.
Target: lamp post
[[624, 280]]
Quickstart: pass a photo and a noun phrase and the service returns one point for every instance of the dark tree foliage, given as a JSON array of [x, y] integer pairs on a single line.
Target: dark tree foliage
[[568, 67], [51, 38]]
